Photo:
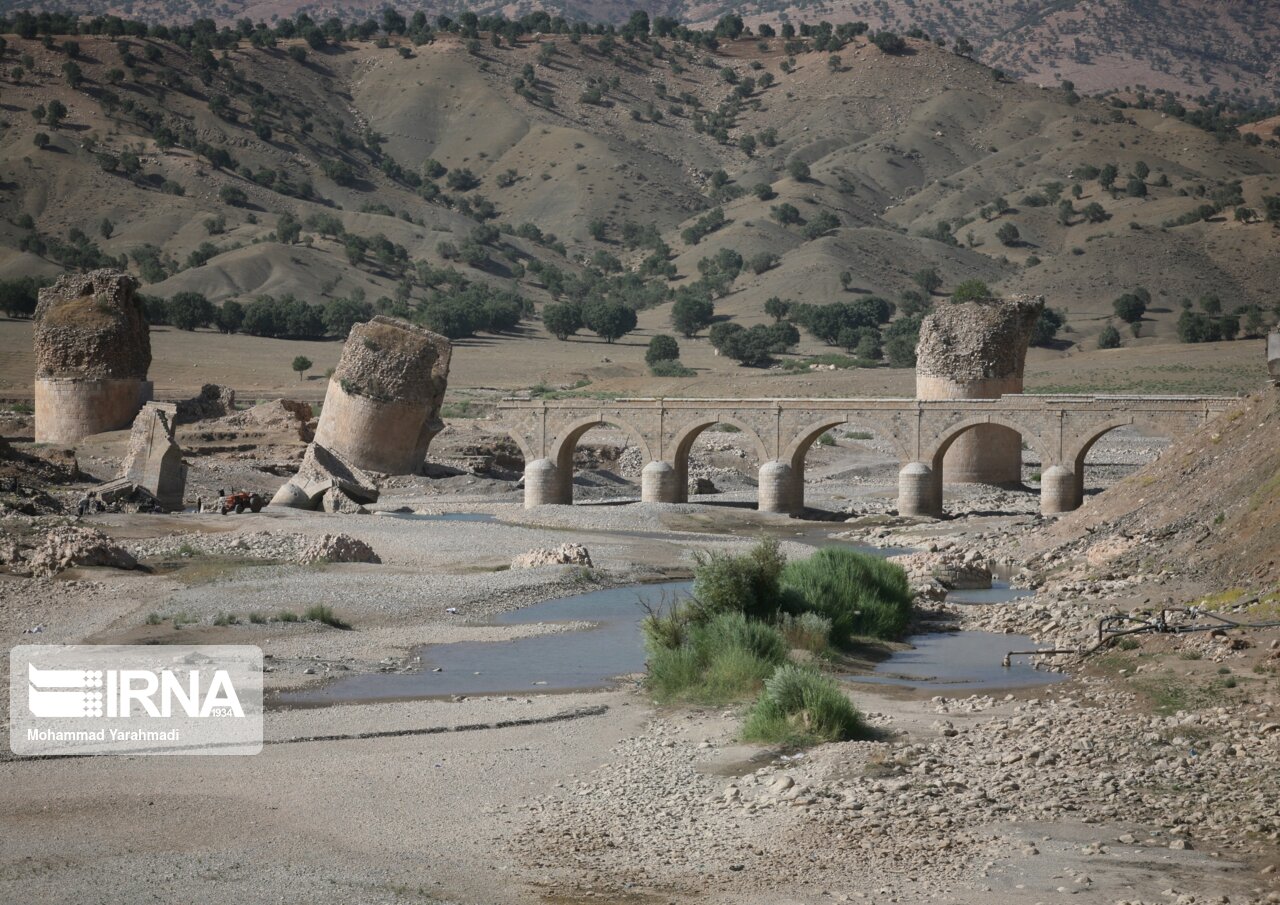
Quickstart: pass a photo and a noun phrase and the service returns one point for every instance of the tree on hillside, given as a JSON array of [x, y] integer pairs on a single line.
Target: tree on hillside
[[1109, 338], [1008, 234], [798, 170], [1129, 308], [609, 320], [188, 310], [662, 348], [928, 279], [562, 319], [301, 364], [1107, 176], [692, 312], [1046, 329], [776, 308], [288, 229]]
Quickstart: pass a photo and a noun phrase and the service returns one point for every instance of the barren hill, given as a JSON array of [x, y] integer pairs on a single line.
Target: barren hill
[[1209, 507], [1196, 47], [406, 168]]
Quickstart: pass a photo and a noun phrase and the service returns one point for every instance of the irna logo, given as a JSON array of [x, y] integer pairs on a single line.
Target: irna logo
[[124, 693]]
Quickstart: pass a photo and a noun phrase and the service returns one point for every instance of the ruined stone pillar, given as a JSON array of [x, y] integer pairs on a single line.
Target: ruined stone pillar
[[919, 491], [659, 483], [977, 350], [1059, 491], [1273, 357], [543, 484], [93, 349], [382, 408], [777, 489]]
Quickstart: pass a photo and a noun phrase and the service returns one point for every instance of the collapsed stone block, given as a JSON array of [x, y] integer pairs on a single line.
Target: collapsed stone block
[[93, 350], [382, 407], [977, 350], [154, 460], [322, 471]]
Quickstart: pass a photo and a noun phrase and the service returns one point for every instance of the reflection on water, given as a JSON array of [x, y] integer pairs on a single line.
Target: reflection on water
[[956, 661]]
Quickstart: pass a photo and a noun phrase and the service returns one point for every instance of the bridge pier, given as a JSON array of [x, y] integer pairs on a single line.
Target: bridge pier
[[776, 492], [543, 484], [1061, 490], [919, 491], [659, 483]]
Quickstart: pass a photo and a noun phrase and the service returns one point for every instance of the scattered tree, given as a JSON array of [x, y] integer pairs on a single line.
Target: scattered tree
[[301, 364]]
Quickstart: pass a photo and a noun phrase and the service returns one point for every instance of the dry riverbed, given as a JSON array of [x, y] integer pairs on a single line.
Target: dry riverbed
[[1149, 776]]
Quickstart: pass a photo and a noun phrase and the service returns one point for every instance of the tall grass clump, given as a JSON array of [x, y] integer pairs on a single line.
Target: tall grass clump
[[799, 706], [725, 658], [860, 594], [806, 631]]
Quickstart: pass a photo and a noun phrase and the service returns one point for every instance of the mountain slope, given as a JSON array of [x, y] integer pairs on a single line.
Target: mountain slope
[[593, 144]]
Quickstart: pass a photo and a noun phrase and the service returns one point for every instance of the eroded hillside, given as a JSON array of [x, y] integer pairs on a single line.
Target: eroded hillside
[[402, 169]]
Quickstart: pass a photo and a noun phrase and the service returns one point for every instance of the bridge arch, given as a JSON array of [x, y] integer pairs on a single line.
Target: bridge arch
[[684, 436], [566, 439], [1076, 450], [937, 450]]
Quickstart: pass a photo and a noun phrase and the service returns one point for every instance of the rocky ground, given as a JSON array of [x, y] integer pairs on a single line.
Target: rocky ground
[[1147, 776]]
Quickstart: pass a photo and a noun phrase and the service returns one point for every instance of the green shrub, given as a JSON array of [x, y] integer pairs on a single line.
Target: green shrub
[[723, 659], [799, 706], [746, 583], [860, 594], [321, 613], [671, 368]]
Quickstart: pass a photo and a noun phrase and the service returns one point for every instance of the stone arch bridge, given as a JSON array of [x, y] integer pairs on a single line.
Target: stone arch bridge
[[1062, 429]]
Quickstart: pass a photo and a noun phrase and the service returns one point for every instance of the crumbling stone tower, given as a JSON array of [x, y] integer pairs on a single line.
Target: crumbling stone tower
[[382, 408], [977, 350], [93, 349]]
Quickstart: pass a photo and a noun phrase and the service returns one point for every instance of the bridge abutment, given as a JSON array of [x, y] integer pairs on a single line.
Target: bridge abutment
[[659, 483], [919, 491]]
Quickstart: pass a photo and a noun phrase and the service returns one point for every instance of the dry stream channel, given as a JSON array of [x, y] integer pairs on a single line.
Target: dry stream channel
[[603, 641]]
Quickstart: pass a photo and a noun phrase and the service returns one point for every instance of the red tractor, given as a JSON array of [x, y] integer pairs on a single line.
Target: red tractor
[[239, 502]]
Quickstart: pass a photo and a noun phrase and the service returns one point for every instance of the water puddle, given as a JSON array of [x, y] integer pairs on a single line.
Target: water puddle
[[999, 592], [960, 661], [574, 660]]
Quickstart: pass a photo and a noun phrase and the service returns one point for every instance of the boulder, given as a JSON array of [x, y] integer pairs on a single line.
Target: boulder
[[338, 548], [563, 555]]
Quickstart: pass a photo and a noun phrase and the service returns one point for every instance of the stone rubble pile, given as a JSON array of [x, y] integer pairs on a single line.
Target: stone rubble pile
[[567, 554], [338, 548], [64, 547]]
